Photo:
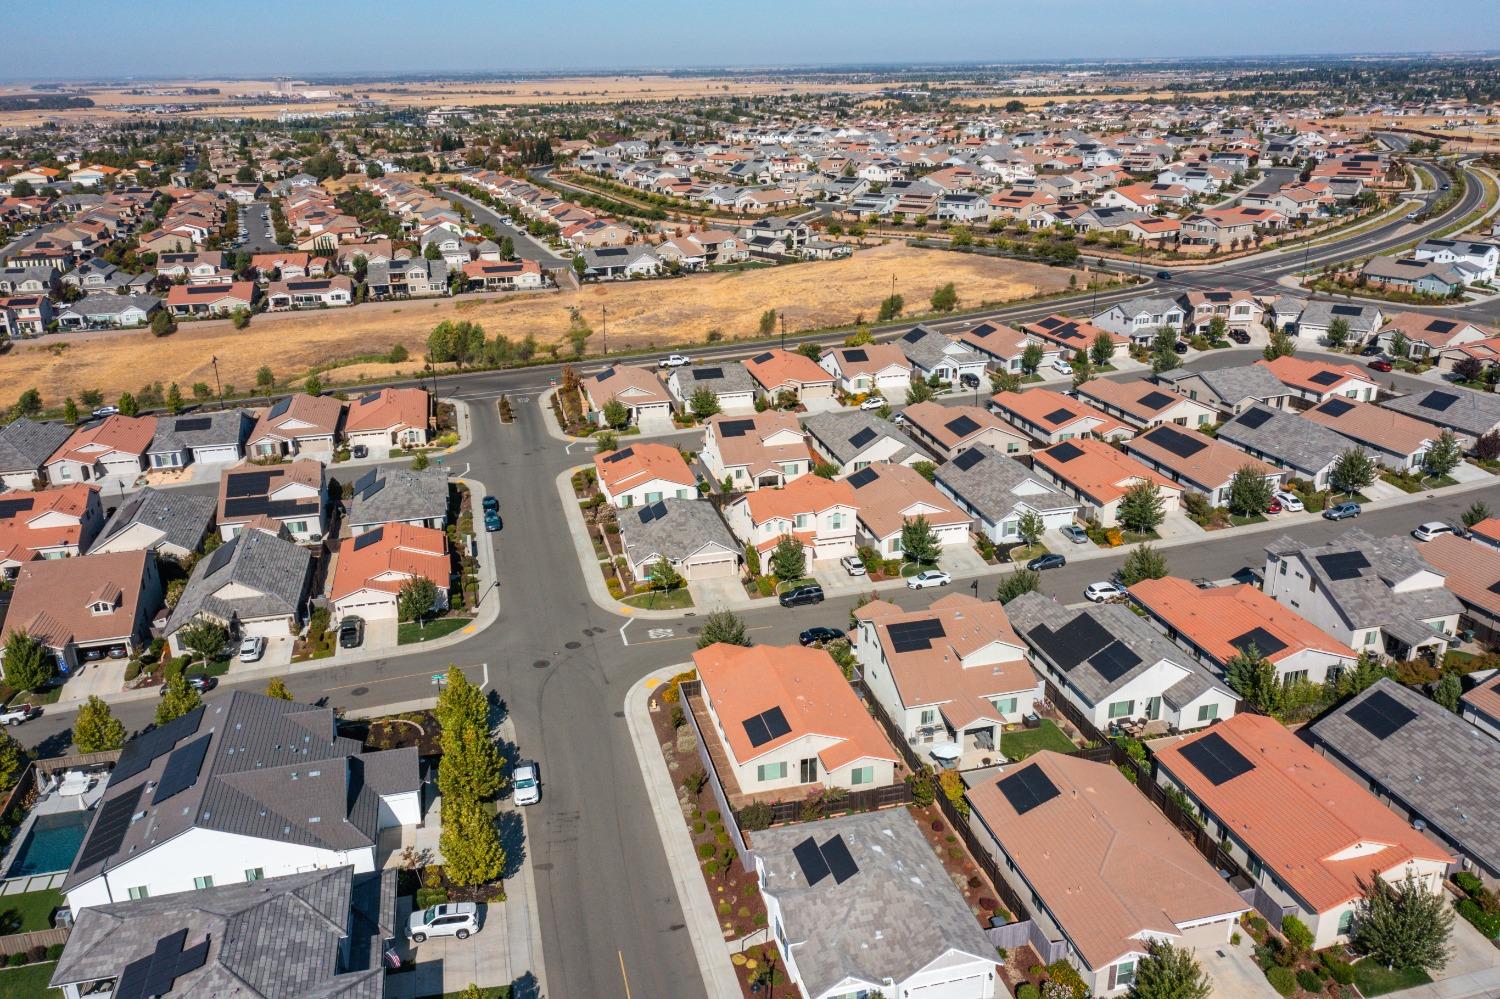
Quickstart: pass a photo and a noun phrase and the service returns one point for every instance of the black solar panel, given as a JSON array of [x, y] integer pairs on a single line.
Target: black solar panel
[[1335, 407], [1058, 416], [757, 731], [369, 538], [863, 437], [140, 751], [856, 354], [1343, 565], [762, 358], [840, 862], [1438, 402], [1216, 759], [914, 334], [1181, 444], [963, 426], [656, 511], [1157, 400], [1027, 788], [862, 478], [192, 423], [915, 636], [1253, 418], [156, 974], [1381, 715], [776, 722], [735, 428], [221, 556], [1114, 661], [1075, 642], [364, 481], [620, 455], [968, 459], [1346, 310], [281, 407], [368, 398], [707, 374], [1325, 378], [250, 484], [1441, 326], [10, 507], [109, 828], [810, 859], [1064, 452], [181, 771], [1265, 643]]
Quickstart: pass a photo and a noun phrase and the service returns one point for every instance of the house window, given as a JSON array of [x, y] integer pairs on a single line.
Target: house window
[[203, 882], [139, 892], [929, 716], [1124, 974], [789, 468], [862, 775], [808, 770], [1293, 676], [836, 521], [770, 771], [1346, 921], [1011, 447], [1004, 705], [64, 472], [653, 497], [297, 526], [1369, 638], [254, 873], [801, 521], [1122, 709], [684, 494], [1208, 712], [896, 545], [861, 464]]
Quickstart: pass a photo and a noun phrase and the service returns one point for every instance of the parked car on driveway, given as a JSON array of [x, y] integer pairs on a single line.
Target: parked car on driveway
[[1051, 560], [1239, 336], [1371, 350], [1341, 511], [1274, 506], [928, 577], [1289, 501], [1430, 530], [451, 919], [360, 451], [1061, 367], [802, 595], [351, 632], [526, 788], [1075, 534], [1101, 593], [818, 635], [871, 403], [853, 565], [252, 648]]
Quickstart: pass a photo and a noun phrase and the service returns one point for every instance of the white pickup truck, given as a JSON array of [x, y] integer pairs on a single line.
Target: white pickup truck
[[673, 361], [18, 713]]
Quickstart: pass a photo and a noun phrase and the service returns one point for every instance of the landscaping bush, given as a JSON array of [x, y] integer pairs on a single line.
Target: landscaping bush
[[16, 960], [36, 953], [1028, 991], [706, 850], [1065, 974], [1338, 969], [1487, 923], [1282, 980], [755, 816], [1468, 883], [55, 951], [132, 669], [1310, 981]]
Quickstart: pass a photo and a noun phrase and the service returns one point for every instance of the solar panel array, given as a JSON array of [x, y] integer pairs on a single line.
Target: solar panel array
[[963, 426], [862, 478], [1346, 310], [832, 857], [968, 459], [619, 455], [1441, 326], [1064, 452], [1027, 788], [915, 636], [1157, 400], [735, 428], [856, 354], [237, 484], [368, 398], [762, 358], [191, 423], [182, 769], [1343, 565], [840, 861], [140, 751], [766, 727], [156, 974], [1181, 444], [109, 827], [1325, 378], [1114, 661], [1058, 416], [914, 334], [1216, 759], [1253, 418], [1438, 401], [281, 407], [656, 511], [1381, 715], [1072, 644], [10, 507], [863, 437], [221, 556], [251, 506], [1335, 407], [1265, 643], [369, 538], [707, 374]]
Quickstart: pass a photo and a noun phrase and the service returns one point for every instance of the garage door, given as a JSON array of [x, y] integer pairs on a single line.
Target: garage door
[[712, 568], [952, 535], [370, 610], [272, 628], [967, 987]]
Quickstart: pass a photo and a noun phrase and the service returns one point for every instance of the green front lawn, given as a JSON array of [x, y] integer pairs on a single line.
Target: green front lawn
[[1022, 743], [677, 599], [792, 584], [1131, 537], [1417, 485], [1374, 980], [28, 911], [409, 631], [214, 667], [28, 982], [1025, 553], [1254, 518]]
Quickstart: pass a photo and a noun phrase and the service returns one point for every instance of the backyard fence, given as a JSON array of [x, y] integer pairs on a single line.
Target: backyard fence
[[20, 943]]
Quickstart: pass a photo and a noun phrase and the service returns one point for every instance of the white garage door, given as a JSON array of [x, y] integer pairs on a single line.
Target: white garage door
[[967, 987], [711, 568], [370, 610], [956, 535], [270, 628]]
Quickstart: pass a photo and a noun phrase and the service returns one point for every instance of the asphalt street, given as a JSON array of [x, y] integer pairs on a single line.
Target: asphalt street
[[527, 246], [260, 236]]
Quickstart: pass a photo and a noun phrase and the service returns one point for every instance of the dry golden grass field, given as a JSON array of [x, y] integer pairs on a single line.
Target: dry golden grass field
[[640, 314]]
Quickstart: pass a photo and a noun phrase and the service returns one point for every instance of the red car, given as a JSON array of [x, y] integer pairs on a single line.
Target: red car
[[1274, 506], [1380, 364]]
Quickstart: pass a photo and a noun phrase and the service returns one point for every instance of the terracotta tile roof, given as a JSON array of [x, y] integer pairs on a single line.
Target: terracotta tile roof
[[1073, 334], [751, 448], [777, 368], [1215, 619], [1485, 698], [1107, 865], [1489, 528], [809, 688], [1311, 825], [1436, 331], [946, 426], [633, 386], [1472, 569], [896, 493], [23, 539], [996, 339], [1099, 471], [401, 552], [52, 597], [1054, 411], [1211, 466], [630, 466], [1299, 374], [1142, 399], [123, 434], [1375, 425], [387, 409], [806, 494]]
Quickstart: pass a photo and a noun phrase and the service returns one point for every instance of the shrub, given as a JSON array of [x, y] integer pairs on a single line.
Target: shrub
[[1310, 981], [1468, 883], [1028, 991], [16, 960], [55, 951], [755, 816], [1282, 980], [713, 817], [1338, 969], [1487, 923], [1065, 974], [133, 669], [706, 850]]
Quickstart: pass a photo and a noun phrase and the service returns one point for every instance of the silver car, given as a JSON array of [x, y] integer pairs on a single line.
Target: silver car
[[450, 919], [528, 789]]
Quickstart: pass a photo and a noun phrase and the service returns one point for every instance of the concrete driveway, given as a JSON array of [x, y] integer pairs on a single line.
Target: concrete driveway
[[1234, 972], [712, 594]]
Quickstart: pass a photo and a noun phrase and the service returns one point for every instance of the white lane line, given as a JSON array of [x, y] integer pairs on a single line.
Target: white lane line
[[628, 623]]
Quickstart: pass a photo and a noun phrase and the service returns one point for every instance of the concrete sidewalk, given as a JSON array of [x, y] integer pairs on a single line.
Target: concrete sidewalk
[[719, 980]]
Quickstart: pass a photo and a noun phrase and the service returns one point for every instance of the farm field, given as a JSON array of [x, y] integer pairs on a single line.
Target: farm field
[[640, 314]]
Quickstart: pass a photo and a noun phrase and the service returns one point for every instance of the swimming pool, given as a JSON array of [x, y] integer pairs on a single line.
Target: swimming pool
[[51, 844]]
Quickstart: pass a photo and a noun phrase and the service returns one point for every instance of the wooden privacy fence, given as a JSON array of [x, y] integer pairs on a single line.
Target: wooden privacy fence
[[20, 943]]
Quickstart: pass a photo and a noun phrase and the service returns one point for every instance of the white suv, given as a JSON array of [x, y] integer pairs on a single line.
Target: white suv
[[1290, 501], [252, 648], [451, 919], [853, 565], [528, 790]]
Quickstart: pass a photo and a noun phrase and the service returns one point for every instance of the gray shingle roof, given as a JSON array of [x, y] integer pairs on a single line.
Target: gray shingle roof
[[835, 433], [174, 433], [26, 444], [1233, 384], [1460, 409], [675, 528], [990, 485], [275, 569], [898, 913], [1438, 765], [1286, 439], [271, 938], [1362, 319], [401, 494], [926, 349], [182, 518], [725, 377]]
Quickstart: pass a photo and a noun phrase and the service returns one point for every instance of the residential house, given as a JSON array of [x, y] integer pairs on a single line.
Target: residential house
[[621, 263], [933, 355], [1467, 413], [1005, 346], [1098, 476], [874, 367], [1115, 668], [687, 533], [90, 604], [1143, 405], [115, 446], [1239, 310], [820, 514], [255, 584], [310, 293], [169, 522], [1234, 225], [1424, 763], [196, 301], [642, 474], [300, 425], [48, 523], [1130, 876], [373, 567], [1472, 570], [891, 496], [108, 310], [857, 439], [413, 277], [1251, 780], [1140, 318], [952, 674], [1427, 335], [1229, 391], [1070, 335], [639, 390], [1376, 595], [998, 492], [1050, 417], [293, 495], [1313, 382], [1477, 261], [503, 275], [1418, 277], [1397, 441], [1305, 448], [388, 418], [1480, 706], [293, 796], [25, 315], [395, 495], [731, 385], [777, 371], [948, 431], [862, 904], [25, 446], [1219, 624], [761, 450], [1316, 317], [205, 438]]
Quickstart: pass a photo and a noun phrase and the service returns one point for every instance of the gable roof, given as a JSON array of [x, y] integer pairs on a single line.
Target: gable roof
[[51, 598], [1286, 438], [397, 494], [1464, 410], [268, 576], [1226, 620], [386, 409], [837, 433], [674, 529], [25, 444], [182, 518], [994, 484], [1097, 470], [775, 368], [121, 434], [635, 464], [401, 550]]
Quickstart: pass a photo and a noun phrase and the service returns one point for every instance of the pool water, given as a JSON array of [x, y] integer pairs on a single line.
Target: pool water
[[51, 844]]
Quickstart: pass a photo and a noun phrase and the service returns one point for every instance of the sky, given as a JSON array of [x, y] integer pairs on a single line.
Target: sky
[[209, 38]]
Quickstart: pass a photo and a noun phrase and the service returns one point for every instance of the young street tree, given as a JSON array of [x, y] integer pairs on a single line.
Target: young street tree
[[1338, 333], [203, 638], [1403, 925], [1249, 492], [1142, 508], [1444, 455], [471, 767], [1169, 972], [703, 403], [1102, 350], [472, 854], [415, 599], [1352, 471], [919, 542], [918, 391], [664, 575], [96, 729], [723, 626], [28, 663], [616, 414], [177, 700], [1252, 676], [1031, 358], [788, 560], [1281, 345], [1477, 512], [1030, 527], [1016, 583], [1144, 562], [277, 689]]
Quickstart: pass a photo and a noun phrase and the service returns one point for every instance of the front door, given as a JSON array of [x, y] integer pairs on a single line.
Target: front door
[[1153, 708], [809, 770]]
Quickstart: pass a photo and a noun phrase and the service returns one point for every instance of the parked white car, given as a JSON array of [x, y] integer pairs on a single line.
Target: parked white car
[[527, 787], [873, 402], [252, 648], [853, 565], [929, 577], [1101, 593], [1430, 530], [451, 919], [1289, 501], [1062, 367], [673, 361]]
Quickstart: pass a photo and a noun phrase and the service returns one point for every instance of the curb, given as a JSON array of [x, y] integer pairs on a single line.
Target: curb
[[719, 979]]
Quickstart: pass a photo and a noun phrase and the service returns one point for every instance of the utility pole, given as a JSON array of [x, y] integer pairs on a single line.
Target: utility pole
[[782, 317], [604, 313], [215, 362]]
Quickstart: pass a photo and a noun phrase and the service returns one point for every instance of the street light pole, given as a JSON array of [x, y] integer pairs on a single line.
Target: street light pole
[[219, 385], [781, 317], [604, 312]]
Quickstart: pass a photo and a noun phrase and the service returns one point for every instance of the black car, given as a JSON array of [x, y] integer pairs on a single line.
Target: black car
[[1163, 275], [1373, 350], [1239, 336], [969, 381], [802, 595], [1180, 346], [818, 635], [360, 451], [491, 503], [352, 632], [1051, 560]]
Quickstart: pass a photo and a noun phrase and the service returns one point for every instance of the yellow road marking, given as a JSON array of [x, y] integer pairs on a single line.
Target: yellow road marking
[[624, 977]]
